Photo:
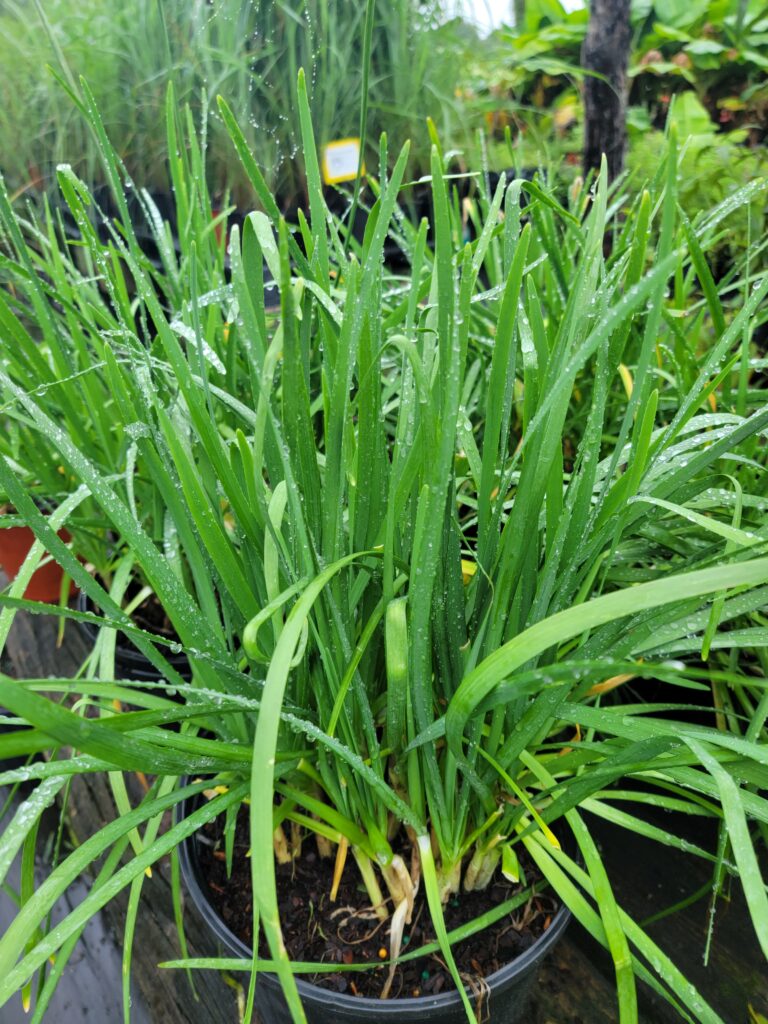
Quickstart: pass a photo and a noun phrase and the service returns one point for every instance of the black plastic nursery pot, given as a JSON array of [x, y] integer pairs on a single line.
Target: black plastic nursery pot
[[504, 1001], [130, 663]]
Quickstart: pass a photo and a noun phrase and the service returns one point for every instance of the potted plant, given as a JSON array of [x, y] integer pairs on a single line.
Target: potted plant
[[16, 539], [422, 568], [61, 359]]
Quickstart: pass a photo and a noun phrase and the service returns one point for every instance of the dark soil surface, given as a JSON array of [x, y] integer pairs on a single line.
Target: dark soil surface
[[149, 616], [345, 932]]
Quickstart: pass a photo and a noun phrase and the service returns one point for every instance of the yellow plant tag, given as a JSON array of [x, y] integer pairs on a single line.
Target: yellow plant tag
[[468, 570], [340, 160]]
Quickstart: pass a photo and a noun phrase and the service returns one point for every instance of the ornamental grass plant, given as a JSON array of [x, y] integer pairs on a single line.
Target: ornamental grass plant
[[248, 50], [425, 538]]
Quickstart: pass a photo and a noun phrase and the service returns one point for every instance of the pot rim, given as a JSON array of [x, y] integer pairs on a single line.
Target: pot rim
[[517, 968]]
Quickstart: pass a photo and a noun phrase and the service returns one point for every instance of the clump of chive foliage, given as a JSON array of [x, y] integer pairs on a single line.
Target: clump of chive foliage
[[419, 534]]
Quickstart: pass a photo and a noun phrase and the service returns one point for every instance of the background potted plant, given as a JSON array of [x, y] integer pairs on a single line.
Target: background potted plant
[[251, 53], [47, 582]]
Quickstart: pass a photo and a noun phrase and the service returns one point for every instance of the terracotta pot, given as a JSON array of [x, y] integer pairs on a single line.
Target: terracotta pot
[[45, 585]]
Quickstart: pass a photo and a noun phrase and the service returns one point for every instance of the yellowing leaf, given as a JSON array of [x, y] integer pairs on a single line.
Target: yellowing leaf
[[626, 379], [510, 865]]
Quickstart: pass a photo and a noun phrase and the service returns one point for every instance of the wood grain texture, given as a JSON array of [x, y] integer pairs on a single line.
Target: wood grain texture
[[159, 996], [165, 993]]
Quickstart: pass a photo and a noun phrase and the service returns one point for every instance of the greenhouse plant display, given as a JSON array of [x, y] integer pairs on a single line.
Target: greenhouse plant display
[[416, 534], [248, 51]]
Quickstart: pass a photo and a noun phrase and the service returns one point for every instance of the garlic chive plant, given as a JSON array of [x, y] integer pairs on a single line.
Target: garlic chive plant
[[419, 536]]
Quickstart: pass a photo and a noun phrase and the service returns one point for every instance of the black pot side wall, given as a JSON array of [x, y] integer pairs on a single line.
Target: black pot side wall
[[505, 1002], [130, 663]]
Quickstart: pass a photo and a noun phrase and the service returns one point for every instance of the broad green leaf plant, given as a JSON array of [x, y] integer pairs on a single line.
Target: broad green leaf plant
[[424, 537]]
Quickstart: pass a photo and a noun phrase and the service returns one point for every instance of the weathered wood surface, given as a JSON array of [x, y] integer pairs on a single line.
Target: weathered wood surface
[[165, 993], [158, 996], [575, 986]]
